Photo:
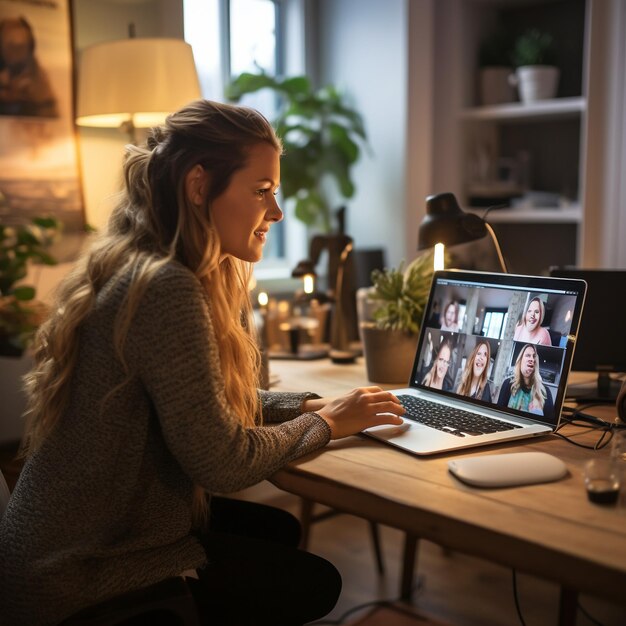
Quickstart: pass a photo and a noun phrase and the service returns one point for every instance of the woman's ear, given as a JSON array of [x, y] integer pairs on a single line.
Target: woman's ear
[[196, 185]]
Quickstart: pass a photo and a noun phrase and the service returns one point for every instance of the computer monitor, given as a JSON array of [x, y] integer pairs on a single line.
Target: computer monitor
[[601, 344]]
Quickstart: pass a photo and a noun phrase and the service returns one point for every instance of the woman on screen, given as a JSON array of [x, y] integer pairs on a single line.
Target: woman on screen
[[450, 317], [436, 376], [529, 329], [474, 381], [525, 390]]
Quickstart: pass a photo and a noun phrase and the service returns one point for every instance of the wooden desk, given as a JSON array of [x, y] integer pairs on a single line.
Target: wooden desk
[[549, 530]]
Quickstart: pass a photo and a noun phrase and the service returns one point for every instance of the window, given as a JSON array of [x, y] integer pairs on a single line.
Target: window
[[233, 36]]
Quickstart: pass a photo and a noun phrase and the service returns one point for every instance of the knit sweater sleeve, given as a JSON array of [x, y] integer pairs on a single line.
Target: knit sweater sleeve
[[282, 406], [172, 348]]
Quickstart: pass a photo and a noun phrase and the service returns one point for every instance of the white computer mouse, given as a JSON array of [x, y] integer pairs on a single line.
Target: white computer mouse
[[506, 470]]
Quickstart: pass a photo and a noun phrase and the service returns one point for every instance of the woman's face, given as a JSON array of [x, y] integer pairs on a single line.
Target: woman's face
[[533, 315], [480, 360], [528, 363], [443, 362], [243, 214], [450, 315]]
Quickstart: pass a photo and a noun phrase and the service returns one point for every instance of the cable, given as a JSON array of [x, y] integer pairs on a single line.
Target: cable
[[364, 605], [586, 614], [517, 606]]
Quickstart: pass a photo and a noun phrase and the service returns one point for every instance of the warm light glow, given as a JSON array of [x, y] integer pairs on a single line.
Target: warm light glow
[[309, 283], [263, 298], [138, 80], [439, 256]]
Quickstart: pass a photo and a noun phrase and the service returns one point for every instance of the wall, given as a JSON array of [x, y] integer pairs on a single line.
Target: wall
[[369, 64]]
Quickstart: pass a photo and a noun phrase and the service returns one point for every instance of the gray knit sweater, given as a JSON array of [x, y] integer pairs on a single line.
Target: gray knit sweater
[[105, 505]]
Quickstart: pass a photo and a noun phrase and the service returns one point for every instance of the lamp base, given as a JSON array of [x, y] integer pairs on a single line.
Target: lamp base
[[343, 357]]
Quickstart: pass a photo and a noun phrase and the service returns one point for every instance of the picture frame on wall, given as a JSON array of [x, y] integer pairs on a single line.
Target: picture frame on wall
[[39, 161]]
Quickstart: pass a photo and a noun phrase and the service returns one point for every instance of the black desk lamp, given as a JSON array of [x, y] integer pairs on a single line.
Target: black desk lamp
[[446, 224]]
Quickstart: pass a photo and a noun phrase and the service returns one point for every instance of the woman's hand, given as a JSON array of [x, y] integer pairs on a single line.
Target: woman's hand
[[359, 409]]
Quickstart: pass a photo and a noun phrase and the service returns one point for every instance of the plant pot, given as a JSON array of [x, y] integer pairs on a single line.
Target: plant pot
[[389, 354], [12, 369], [495, 87], [536, 82]]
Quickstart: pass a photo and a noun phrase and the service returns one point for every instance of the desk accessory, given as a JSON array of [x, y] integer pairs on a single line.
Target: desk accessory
[[508, 470]]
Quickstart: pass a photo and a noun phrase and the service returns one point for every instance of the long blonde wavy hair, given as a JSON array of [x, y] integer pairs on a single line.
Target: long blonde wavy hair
[[465, 386], [537, 390], [154, 223]]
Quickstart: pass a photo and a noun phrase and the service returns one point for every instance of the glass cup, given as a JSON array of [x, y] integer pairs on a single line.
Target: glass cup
[[602, 480]]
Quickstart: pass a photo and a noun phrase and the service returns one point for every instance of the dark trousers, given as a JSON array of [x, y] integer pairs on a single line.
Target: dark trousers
[[255, 574]]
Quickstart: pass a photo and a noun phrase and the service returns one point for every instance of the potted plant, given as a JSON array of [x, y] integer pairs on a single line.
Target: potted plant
[[398, 298], [20, 312], [322, 137], [534, 56], [494, 61]]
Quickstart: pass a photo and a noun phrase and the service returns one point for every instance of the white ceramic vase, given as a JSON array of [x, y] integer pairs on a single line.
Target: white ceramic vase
[[536, 82]]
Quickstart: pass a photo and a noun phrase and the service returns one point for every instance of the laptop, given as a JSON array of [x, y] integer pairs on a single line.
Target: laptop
[[491, 364]]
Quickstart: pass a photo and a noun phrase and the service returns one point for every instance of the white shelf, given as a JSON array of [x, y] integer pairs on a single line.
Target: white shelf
[[537, 215], [559, 108]]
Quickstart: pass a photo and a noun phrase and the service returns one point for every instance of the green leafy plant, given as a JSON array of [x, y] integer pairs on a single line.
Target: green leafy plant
[[20, 313], [534, 47], [403, 294], [322, 137]]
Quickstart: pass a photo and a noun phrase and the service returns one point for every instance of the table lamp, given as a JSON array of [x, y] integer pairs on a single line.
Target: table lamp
[[446, 224], [134, 83]]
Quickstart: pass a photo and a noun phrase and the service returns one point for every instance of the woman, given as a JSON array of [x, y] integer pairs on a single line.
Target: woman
[[450, 317], [143, 397], [436, 376], [474, 378], [529, 329], [525, 390]]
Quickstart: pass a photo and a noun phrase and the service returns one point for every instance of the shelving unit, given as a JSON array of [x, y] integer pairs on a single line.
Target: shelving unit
[[494, 153]]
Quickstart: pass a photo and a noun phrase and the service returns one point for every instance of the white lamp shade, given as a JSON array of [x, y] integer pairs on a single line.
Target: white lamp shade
[[135, 80]]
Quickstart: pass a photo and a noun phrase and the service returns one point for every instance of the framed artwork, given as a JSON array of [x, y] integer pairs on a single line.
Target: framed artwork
[[39, 164]]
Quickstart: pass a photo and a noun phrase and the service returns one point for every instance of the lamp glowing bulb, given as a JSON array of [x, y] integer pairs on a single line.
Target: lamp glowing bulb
[[308, 281], [263, 298], [439, 256]]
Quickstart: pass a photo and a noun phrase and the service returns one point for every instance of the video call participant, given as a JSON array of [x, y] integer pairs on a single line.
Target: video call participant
[[529, 329], [474, 383], [436, 376], [525, 390], [450, 317]]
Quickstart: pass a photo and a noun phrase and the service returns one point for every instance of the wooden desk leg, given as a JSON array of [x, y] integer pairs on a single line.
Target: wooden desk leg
[[568, 606], [408, 566], [380, 565], [306, 519]]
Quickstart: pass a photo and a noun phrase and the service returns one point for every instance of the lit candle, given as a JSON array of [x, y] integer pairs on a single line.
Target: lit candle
[[308, 281]]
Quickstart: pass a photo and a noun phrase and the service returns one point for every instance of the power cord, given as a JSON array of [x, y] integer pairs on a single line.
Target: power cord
[[517, 606], [579, 606], [365, 605], [579, 418]]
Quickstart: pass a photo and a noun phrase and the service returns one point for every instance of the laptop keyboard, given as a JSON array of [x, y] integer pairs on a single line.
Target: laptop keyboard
[[450, 419]]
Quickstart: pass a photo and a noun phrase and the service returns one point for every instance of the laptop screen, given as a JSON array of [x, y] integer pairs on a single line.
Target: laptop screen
[[500, 340]]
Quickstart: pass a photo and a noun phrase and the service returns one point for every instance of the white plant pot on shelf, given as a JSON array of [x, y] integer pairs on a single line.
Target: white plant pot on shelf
[[536, 82]]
